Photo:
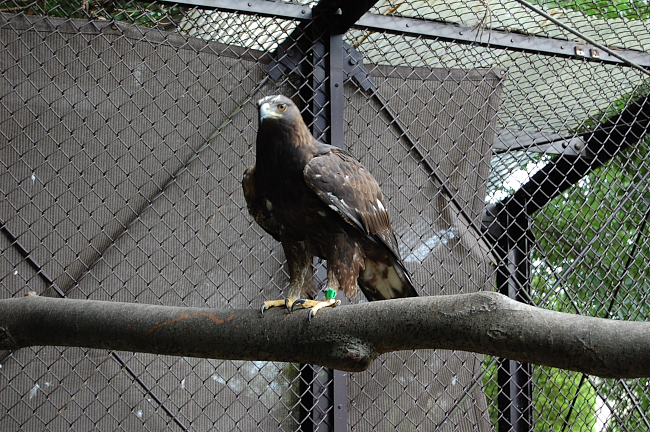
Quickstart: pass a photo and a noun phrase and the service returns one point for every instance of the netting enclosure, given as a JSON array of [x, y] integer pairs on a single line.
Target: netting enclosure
[[509, 142]]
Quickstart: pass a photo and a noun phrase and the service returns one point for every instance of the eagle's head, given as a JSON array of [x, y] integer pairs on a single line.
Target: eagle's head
[[278, 107], [280, 117]]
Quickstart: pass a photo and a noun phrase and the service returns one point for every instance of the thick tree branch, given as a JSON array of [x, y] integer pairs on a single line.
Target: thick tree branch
[[346, 337]]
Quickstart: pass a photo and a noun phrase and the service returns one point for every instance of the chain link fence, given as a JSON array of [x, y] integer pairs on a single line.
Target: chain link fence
[[510, 144]]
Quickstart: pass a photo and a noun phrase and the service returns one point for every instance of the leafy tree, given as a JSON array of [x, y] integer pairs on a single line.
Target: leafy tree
[[146, 14], [555, 391], [591, 258], [607, 9]]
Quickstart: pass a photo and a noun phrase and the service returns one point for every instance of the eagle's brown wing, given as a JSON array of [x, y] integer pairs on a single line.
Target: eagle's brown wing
[[351, 191], [257, 205]]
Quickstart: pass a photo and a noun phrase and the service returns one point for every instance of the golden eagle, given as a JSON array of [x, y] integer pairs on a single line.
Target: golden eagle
[[318, 200]]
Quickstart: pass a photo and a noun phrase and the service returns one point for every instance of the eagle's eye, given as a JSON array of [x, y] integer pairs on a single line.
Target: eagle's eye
[[282, 107]]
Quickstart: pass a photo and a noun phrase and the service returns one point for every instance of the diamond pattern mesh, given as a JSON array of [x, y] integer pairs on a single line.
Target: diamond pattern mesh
[[125, 129]]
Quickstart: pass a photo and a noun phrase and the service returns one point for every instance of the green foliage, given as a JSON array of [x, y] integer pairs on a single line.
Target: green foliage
[[555, 391], [607, 9], [594, 238], [591, 258], [630, 403], [145, 14], [491, 388], [592, 229]]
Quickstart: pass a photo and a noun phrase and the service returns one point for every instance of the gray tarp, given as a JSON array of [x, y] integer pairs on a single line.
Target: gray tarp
[[97, 125]]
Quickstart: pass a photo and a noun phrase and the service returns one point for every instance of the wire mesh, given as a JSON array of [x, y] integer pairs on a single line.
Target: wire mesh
[[126, 127]]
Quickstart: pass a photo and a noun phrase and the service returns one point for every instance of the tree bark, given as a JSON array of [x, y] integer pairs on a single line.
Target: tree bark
[[346, 337]]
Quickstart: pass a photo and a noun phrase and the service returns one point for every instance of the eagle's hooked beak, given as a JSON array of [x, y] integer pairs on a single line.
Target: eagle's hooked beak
[[267, 112]]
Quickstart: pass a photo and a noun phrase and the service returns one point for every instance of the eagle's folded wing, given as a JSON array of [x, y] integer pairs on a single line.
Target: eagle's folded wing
[[352, 192]]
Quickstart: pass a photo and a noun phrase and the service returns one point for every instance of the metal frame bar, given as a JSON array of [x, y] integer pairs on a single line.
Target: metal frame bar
[[278, 9], [339, 384], [324, 399], [607, 140], [508, 140], [618, 55], [27, 256], [515, 379], [316, 381], [425, 28], [495, 39]]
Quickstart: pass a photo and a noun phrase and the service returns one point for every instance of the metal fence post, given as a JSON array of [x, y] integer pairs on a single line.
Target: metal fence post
[[515, 379], [324, 391]]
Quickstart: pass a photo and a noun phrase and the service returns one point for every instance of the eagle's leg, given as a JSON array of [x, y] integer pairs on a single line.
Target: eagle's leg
[[300, 273], [345, 259], [330, 295], [316, 305]]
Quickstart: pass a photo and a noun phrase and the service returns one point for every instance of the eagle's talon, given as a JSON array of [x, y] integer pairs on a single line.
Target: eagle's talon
[[299, 301], [273, 303], [314, 306]]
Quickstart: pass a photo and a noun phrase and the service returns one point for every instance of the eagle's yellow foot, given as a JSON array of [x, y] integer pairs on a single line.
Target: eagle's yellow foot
[[315, 305], [288, 303]]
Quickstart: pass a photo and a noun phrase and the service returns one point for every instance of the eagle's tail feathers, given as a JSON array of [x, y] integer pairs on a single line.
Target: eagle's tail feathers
[[380, 281]]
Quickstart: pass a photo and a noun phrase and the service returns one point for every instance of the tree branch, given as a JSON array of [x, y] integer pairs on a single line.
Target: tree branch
[[346, 338]]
